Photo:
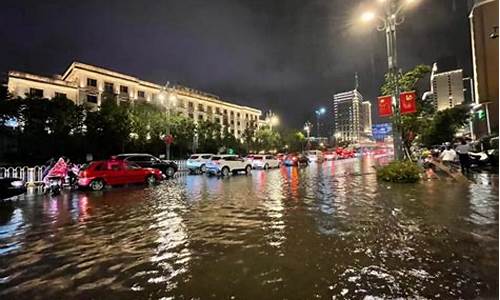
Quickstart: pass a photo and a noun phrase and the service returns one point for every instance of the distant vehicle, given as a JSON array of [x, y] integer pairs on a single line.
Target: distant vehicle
[[265, 162], [296, 159], [167, 167], [98, 174], [330, 155], [343, 153], [11, 187], [198, 162], [228, 163], [315, 156]]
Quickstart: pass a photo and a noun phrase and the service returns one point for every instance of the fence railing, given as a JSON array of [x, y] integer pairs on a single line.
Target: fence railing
[[34, 175]]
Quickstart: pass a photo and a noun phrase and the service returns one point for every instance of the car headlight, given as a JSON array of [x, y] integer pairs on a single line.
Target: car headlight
[[17, 183]]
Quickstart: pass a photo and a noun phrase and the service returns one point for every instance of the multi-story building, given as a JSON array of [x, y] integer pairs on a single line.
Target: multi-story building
[[346, 115], [365, 118], [86, 84], [447, 88], [484, 38]]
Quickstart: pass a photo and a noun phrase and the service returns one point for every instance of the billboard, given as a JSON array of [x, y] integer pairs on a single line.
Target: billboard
[[381, 131]]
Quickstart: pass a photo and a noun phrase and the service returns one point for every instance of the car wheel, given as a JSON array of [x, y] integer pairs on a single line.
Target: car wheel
[[225, 171], [248, 169], [203, 168], [151, 179], [96, 185], [266, 166], [170, 172]]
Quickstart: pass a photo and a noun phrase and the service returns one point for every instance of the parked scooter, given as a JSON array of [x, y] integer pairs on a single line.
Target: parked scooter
[[55, 185], [479, 159], [54, 179]]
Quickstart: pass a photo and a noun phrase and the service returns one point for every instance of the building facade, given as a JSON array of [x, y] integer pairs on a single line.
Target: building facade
[[447, 88], [365, 118], [87, 84], [347, 117], [484, 38]]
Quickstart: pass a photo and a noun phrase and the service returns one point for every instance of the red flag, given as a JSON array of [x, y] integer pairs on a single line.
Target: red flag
[[385, 106], [408, 102]]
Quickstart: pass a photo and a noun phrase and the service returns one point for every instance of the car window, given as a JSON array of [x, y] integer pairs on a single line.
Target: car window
[[215, 158], [269, 157], [257, 157], [114, 167], [206, 156], [194, 157], [132, 166]]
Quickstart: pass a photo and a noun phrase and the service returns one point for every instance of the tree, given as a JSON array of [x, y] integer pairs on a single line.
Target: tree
[[410, 125], [295, 141], [108, 129], [444, 126], [209, 136], [183, 130], [148, 125], [248, 136], [267, 139]]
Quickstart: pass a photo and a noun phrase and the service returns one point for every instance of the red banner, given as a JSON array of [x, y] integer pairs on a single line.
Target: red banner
[[385, 106], [408, 102]]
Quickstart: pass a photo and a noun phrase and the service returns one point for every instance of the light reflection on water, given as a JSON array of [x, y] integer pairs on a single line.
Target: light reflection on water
[[315, 232]]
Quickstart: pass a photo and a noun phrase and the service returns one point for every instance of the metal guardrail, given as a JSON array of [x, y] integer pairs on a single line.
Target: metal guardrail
[[34, 175]]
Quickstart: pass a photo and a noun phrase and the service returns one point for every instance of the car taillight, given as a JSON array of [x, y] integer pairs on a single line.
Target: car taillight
[[83, 174], [294, 158]]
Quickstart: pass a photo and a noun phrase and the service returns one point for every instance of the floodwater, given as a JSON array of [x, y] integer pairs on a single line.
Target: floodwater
[[321, 232]]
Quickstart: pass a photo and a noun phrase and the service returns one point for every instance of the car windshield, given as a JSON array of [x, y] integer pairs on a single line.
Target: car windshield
[[194, 157], [257, 157], [216, 158]]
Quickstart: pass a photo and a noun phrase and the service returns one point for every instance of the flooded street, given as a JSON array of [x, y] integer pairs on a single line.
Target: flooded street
[[321, 232]]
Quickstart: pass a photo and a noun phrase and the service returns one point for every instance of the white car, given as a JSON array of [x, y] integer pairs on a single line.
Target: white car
[[265, 162], [228, 163], [315, 156], [330, 155], [198, 162]]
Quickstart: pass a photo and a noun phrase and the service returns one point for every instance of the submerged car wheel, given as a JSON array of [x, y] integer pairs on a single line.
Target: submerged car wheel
[[225, 171], [203, 168], [151, 180], [96, 185], [170, 172], [266, 166], [248, 169]]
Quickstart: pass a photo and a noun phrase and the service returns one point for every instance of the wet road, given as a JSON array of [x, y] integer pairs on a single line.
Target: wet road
[[312, 233]]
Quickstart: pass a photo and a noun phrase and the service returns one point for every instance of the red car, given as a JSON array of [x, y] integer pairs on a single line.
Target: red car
[[98, 174]]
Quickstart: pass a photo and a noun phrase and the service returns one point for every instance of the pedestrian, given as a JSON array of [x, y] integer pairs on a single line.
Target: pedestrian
[[463, 155], [448, 156]]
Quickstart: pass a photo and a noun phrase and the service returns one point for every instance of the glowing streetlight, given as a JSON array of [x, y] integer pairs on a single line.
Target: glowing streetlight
[[319, 112], [391, 18], [367, 16]]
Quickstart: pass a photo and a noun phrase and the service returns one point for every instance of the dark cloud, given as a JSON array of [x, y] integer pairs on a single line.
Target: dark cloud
[[286, 55]]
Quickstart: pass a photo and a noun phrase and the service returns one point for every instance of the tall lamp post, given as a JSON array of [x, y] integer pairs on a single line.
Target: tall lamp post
[[319, 112], [168, 98], [390, 19]]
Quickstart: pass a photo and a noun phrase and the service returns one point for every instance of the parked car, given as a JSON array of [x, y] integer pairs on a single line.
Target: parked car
[[315, 156], [98, 174], [198, 162], [11, 187], [343, 153], [296, 159], [330, 155], [265, 162], [167, 167], [228, 163]]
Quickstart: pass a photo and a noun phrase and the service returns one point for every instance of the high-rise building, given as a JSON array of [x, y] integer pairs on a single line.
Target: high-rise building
[[447, 88], [346, 115], [484, 38], [365, 118], [90, 85]]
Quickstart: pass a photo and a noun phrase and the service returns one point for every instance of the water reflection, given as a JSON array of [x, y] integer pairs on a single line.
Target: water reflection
[[328, 230]]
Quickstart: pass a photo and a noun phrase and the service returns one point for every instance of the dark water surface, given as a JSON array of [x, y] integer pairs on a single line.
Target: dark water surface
[[312, 233]]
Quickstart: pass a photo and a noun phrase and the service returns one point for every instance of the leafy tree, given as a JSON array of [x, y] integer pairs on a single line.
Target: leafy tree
[[295, 141], [148, 124], [412, 124], [267, 139], [229, 141], [444, 126], [108, 129], [209, 136], [248, 136], [183, 130]]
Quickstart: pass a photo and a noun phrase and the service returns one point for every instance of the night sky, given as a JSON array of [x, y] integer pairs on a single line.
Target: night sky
[[286, 55]]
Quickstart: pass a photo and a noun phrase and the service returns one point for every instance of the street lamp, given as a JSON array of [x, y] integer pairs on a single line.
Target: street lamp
[[167, 102], [307, 129], [319, 112], [391, 18]]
